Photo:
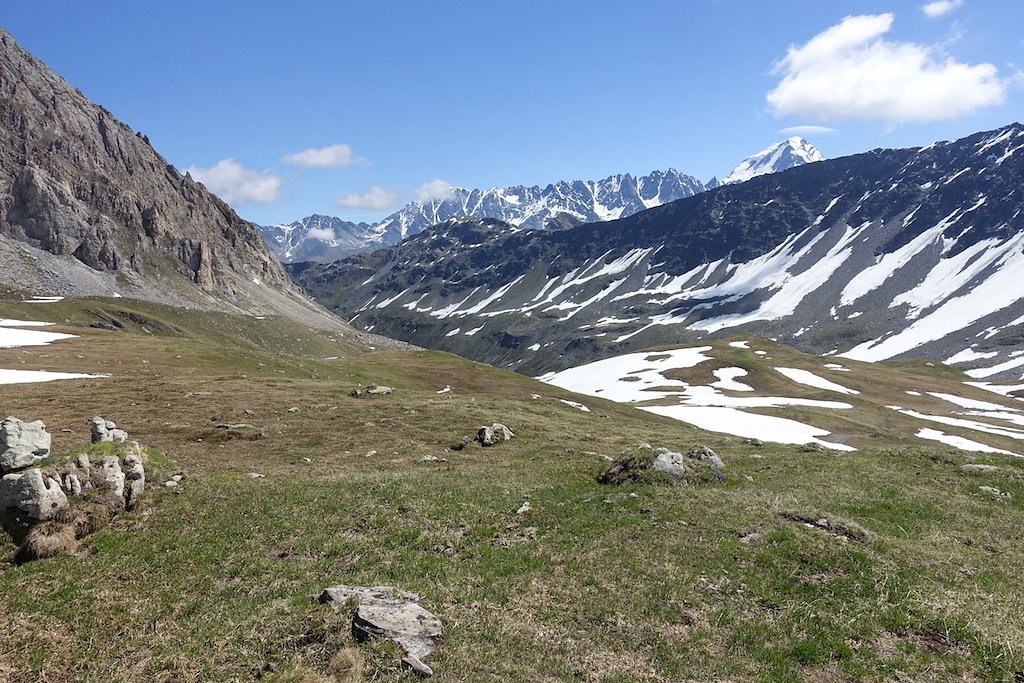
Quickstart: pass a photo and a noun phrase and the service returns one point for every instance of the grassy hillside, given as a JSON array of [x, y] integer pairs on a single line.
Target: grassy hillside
[[211, 581]]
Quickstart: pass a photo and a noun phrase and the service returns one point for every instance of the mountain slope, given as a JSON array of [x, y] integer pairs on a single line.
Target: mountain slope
[[88, 207], [887, 254]]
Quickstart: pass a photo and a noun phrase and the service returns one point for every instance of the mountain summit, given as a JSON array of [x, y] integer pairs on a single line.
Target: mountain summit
[[783, 155]]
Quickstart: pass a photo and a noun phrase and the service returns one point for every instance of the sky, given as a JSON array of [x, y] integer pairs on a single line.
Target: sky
[[352, 109]]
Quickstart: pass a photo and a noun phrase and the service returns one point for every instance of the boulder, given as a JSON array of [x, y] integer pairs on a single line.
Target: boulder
[[384, 612], [106, 430], [378, 390], [705, 454], [29, 492], [671, 463], [496, 433], [22, 444]]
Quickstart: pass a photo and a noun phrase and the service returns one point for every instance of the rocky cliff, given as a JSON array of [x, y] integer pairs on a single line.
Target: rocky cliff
[[88, 207]]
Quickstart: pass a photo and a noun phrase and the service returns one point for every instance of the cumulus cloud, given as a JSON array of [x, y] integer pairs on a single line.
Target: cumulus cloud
[[850, 71], [324, 157], [322, 234], [236, 184], [434, 189], [377, 198], [808, 130], [940, 7]]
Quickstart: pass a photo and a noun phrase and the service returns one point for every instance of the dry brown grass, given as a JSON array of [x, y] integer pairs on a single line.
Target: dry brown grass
[[46, 540]]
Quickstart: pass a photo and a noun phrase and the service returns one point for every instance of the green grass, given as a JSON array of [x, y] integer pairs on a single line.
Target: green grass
[[212, 581]]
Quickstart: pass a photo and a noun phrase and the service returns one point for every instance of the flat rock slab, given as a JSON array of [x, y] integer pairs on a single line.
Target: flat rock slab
[[384, 612]]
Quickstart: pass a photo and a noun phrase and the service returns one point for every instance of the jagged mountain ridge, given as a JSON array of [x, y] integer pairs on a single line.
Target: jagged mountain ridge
[[887, 254], [556, 206], [88, 207], [559, 205]]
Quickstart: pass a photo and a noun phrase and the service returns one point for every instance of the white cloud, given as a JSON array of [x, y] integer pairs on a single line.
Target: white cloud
[[940, 7], [236, 184], [808, 130], [849, 71], [324, 157], [376, 198], [322, 234], [435, 189]]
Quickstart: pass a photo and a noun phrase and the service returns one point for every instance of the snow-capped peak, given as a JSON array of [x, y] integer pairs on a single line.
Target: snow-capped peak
[[791, 152]]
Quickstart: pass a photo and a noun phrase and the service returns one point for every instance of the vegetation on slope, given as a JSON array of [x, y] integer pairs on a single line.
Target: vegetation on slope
[[717, 581]]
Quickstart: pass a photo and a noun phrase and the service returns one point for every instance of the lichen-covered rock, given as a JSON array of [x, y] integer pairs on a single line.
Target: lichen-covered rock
[[384, 612], [494, 434], [22, 444]]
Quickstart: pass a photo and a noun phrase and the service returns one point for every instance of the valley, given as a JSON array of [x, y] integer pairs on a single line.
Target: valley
[[644, 428], [211, 580]]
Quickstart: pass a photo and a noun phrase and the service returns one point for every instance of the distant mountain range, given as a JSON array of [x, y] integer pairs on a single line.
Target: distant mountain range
[[888, 254], [563, 204]]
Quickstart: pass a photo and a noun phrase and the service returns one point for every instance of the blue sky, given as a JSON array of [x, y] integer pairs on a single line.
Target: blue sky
[[352, 108]]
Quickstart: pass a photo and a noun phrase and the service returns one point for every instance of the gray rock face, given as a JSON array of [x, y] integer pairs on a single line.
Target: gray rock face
[[37, 496], [496, 433], [384, 612], [22, 444]]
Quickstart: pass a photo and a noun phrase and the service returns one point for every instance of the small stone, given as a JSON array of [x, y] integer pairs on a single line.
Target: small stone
[[973, 467], [996, 493], [378, 390], [524, 508], [370, 453], [170, 483], [307, 460], [432, 458], [750, 537], [177, 477], [257, 475], [293, 409]]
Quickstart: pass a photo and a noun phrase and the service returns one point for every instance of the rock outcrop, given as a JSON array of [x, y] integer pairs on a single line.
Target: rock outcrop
[[88, 207]]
